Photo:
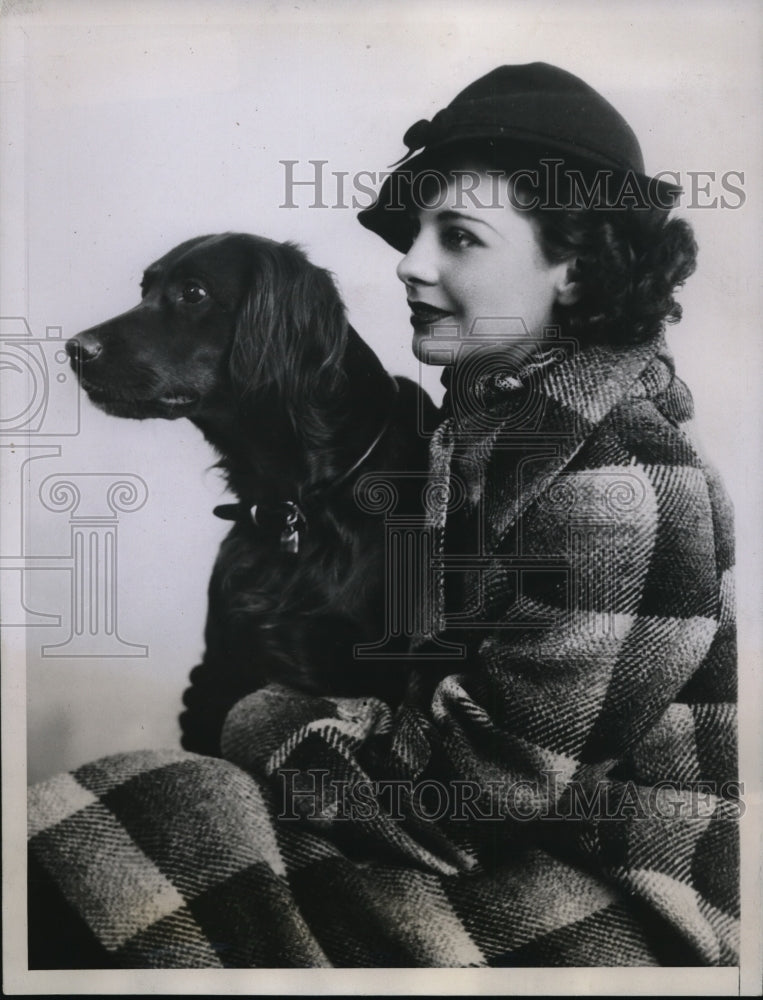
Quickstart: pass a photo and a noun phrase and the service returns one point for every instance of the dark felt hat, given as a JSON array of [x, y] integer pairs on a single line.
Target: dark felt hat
[[535, 110]]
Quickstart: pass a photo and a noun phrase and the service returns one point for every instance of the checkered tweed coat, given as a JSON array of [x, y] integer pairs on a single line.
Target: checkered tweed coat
[[559, 786]]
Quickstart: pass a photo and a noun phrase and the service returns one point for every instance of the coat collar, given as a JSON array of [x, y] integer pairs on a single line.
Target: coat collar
[[515, 433]]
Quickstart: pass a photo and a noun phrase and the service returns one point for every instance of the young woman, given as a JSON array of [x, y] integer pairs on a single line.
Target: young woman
[[559, 785]]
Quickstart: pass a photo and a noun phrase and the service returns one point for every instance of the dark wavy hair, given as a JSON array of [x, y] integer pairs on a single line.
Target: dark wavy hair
[[629, 263], [627, 254]]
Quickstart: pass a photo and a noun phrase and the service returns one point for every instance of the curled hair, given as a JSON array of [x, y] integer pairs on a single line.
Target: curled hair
[[628, 262]]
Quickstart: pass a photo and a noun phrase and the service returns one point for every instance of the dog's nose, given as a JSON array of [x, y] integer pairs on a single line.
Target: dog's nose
[[83, 348]]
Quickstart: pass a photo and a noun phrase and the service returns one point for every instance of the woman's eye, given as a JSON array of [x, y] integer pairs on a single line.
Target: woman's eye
[[193, 293], [458, 239]]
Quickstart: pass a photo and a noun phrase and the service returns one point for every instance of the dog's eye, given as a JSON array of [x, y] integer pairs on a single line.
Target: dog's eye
[[193, 293]]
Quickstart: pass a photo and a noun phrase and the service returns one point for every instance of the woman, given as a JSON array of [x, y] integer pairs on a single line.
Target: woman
[[558, 787]]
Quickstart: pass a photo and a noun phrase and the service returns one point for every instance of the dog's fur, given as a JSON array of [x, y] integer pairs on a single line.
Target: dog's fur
[[248, 339]]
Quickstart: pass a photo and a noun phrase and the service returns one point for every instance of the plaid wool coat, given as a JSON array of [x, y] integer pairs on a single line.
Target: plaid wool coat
[[558, 787]]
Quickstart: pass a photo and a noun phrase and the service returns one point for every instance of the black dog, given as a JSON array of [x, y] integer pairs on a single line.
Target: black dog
[[246, 338]]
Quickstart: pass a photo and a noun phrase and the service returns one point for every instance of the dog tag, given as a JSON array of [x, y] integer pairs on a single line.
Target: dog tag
[[290, 540], [290, 534]]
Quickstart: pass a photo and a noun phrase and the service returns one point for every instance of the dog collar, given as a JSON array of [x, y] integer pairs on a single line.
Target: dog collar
[[282, 517], [285, 517]]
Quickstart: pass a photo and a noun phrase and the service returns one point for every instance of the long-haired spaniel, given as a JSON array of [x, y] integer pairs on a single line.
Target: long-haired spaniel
[[249, 340]]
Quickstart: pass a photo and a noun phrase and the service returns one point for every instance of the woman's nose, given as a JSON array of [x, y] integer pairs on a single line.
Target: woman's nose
[[419, 266]]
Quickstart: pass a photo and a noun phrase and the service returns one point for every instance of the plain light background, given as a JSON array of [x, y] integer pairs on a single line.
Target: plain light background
[[129, 126], [144, 124]]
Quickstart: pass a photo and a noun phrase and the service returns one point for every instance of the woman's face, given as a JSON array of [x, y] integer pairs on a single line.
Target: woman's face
[[475, 274]]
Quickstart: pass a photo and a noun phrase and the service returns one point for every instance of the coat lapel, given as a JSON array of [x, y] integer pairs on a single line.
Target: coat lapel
[[537, 428]]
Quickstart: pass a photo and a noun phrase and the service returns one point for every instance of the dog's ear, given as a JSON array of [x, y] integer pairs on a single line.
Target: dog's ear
[[291, 331]]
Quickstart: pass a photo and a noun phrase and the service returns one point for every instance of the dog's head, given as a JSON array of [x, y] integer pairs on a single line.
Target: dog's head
[[222, 320]]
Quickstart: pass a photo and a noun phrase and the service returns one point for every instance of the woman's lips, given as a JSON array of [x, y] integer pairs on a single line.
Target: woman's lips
[[423, 315]]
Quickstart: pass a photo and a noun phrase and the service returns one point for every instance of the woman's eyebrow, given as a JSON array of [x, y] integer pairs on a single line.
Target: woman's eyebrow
[[450, 214]]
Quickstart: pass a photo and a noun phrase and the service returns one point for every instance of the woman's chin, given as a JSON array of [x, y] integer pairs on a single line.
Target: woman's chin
[[431, 351]]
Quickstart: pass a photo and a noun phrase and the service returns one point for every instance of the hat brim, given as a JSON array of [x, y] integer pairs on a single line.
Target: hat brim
[[609, 188]]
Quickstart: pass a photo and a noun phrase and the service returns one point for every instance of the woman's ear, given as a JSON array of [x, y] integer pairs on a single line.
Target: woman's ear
[[568, 288]]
